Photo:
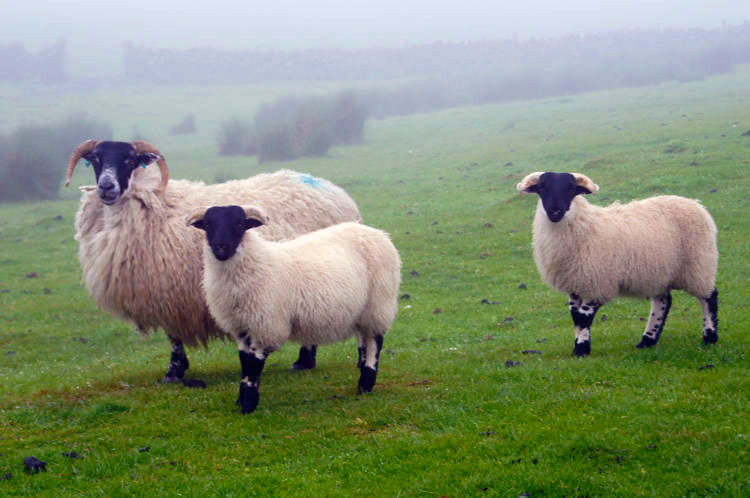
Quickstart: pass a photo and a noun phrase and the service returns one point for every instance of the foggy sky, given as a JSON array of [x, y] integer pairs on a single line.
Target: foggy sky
[[95, 30]]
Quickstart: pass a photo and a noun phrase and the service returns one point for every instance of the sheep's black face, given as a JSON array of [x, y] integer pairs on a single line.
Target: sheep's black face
[[113, 164], [225, 226], [557, 190]]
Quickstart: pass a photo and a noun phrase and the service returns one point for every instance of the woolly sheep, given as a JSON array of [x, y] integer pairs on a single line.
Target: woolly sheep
[[643, 249], [321, 287], [142, 264]]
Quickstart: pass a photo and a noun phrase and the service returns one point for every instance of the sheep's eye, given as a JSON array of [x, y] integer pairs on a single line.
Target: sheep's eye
[[540, 191]]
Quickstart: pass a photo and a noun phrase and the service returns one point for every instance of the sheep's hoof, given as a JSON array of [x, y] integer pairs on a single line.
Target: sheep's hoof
[[306, 359], [710, 337], [248, 399], [647, 342], [170, 378], [367, 379], [582, 348]]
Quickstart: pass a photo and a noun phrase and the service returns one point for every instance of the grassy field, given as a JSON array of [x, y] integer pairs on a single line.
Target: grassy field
[[447, 417]]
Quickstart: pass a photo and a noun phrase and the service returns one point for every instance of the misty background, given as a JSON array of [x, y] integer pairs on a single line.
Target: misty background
[[94, 32]]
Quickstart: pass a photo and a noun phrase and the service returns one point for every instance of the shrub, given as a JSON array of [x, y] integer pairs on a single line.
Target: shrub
[[237, 137], [184, 127], [33, 158]]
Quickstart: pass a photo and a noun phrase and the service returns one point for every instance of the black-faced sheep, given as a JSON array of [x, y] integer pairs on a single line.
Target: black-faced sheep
[[139, 260], [321, 287], [641, 249]]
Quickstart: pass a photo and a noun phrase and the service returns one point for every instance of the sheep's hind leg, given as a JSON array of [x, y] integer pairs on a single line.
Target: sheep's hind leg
[[306, 359], [252, 359], [369, 359], [659, 310], [178, 362], [710, 308], [583, 313]]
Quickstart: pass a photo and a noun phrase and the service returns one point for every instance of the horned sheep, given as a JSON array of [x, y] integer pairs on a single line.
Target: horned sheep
[[139, 260], [321, 287], [645, 248]]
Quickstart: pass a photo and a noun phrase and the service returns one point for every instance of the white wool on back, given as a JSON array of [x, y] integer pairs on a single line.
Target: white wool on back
[[316, 289], [141, 263], [640, 249]]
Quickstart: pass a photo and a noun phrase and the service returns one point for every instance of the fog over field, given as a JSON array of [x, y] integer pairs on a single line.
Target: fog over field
[[94, 31]]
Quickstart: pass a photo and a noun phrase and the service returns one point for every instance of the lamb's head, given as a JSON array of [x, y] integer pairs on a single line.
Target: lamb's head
[[557, 190], [225, 226], [114, 163]]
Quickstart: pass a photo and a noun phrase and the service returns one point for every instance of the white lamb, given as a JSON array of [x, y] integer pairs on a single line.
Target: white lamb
[[321, 287], [643, 249]]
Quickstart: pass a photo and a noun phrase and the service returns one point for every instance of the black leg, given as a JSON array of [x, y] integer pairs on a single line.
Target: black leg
[[306, 359], [178, 363], [252, 366], [583, 313], [710, 308], [369, 360], [660, 306]]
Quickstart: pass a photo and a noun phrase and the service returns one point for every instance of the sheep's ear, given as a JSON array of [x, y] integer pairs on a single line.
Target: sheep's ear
[[254, 217], [529, 183], [195, 218], [585, 185]]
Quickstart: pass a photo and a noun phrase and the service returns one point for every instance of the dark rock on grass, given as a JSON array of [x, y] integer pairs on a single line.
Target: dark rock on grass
[[390, 352], [713, 190], [437, 310], [531, 351], [144, 449], [488, 225], [543, 339], [522, 286], [72, 454], [604, 318], [83, 340], [34, 465], [46, 291], [10, 353], [746, 134], [414, 273], [33, 274], [59, 217], [6, 476], [194, 383], [405, 296], [508, 320], [5, 291], [434, 223], [511, 363], [706, 367], [488, 433]]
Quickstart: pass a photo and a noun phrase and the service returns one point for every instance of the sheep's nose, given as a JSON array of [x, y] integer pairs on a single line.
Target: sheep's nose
[[106, 186], [556, 212], [222, 247]]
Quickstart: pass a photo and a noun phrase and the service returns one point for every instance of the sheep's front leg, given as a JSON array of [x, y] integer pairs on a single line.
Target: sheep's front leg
[[710, 308], [369, 359], [178, 362], [583, 313], [306, 359], [252, 359], [659, 310]]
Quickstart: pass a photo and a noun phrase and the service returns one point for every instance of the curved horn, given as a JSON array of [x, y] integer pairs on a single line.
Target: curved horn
[[196, 214], [142, 146], [77, 154]]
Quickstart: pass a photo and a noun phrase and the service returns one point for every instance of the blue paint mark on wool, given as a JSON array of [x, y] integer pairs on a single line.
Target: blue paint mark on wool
[[310, 180]]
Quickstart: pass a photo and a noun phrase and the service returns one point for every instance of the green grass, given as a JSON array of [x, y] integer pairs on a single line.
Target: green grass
[[446, 417]]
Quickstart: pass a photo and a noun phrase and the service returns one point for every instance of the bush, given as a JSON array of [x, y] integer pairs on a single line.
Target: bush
[[293, 127], [237, 137], [184, 127], [33, 158]]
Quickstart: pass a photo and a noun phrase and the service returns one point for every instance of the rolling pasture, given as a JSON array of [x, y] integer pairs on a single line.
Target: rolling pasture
[[478, 393]]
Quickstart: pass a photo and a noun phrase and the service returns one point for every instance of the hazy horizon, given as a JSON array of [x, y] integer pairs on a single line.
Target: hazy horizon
[[94, 33]]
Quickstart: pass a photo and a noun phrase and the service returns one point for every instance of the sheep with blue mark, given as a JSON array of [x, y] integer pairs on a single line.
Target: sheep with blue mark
[[139, 260], [322, 287], [645, 249]]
